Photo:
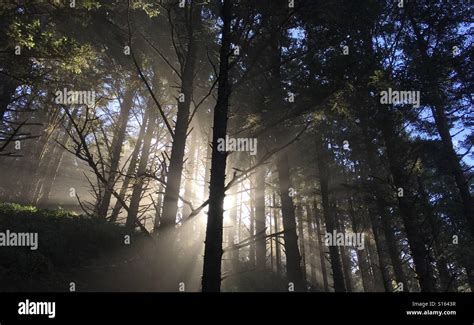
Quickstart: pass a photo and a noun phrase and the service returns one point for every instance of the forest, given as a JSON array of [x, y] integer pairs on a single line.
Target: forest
[[236, 145]]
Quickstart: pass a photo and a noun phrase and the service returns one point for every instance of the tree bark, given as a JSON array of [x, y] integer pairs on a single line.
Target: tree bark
[[364, 267], [252, 224], [261, 245], [345, 256], [374, 263], [117, 142], [293, 257], [175, 170], [191, 176], [53, 167], [337, 272], [412, 226], [311, 243], [299, 213], [131, 167], [380, 245], [322, 256], [437, 104], [277, 242], [211, 279], [142, 165]]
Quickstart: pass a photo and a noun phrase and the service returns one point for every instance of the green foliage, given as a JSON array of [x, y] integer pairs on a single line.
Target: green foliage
[[65, 241]]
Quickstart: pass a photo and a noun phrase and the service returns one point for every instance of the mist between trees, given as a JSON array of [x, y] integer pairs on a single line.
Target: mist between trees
[[215, 145]]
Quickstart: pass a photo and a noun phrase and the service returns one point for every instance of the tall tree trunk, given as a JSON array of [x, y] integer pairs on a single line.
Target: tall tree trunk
[[173, 183], [117, 141], [413, 228], [364, 267], [323, 168], [446, 279], [252, 224], [293, 257], [322, 257], [380, 245], [159, 203], [142, 165], [232, 233], [437, 103], [299, 214], [207, 172], [374, 263], [345, 255], [270, 226], [369, 166], [261, 245], [131, 167], [191, 176], [53, 167], [454, 165], [277, 242], [392, 247], [211, 278], [311, 243], [34, 159]]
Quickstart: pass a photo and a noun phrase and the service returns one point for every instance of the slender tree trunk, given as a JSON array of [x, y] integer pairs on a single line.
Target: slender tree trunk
[[293, 257], [270, 226], [384, 221], [364, 267], [131, 167], [191, 178], [252, 224], [47, 168], [142, 165], [33, 160], [311, 243], [453, 163], [322, 256], [159, 203], [173, 183], [380, 247], [53, 167], [211, 279], [207, 172], [437, 103], [301, 240], [117, 141], [413, 230], [336, 266], [393, 249], [345, 256], [277, 242], [375, 214], [446, 279], [374, 263], [261, 245], [234, 254]]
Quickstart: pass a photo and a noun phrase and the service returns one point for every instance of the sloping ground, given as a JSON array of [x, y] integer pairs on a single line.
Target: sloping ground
[[91, 253]]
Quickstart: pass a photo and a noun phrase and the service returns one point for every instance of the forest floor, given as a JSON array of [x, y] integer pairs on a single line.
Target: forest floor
[[93, 255]]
